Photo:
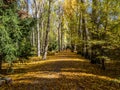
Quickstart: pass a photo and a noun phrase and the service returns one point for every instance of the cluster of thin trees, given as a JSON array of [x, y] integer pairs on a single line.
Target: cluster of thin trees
[[48, 29]]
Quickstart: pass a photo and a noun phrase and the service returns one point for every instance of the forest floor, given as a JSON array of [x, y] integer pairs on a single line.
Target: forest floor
[[64, 71]]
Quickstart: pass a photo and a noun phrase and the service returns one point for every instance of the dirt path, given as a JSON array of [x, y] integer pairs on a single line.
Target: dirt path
[[64, 71]]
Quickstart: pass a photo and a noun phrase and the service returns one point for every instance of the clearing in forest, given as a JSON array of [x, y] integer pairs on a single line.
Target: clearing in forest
[[63, 71]]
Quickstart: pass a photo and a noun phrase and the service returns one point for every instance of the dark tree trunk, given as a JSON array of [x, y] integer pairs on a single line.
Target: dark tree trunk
[[85, 30], [103, 64], [0, 63], [59, 36]]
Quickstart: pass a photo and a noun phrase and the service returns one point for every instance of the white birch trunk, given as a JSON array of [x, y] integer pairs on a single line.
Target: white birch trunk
[[33, 37], [47, 32], [38, 36]]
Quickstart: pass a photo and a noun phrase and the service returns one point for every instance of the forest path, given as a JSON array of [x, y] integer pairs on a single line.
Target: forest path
[[63, 71]]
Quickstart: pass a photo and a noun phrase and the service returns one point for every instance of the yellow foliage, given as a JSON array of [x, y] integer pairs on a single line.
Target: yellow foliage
[[70, 7]]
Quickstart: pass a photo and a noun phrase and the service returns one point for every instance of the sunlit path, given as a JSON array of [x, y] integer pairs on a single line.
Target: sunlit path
[[64, 71]]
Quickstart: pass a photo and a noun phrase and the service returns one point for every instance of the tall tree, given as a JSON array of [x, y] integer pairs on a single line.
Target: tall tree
[[47, 32], [9, 34], [37, 16]]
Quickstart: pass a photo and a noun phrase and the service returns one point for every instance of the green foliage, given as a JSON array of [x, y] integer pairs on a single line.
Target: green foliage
[[33, 51], [14, 32], [25, 48], [53, 43], [9, 34], [102, 57], [52, 46]]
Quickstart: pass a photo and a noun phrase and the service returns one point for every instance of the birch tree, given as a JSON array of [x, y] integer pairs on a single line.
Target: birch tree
[[47, 31]]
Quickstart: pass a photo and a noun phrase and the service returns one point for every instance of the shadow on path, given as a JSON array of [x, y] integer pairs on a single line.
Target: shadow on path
[[64, 71]]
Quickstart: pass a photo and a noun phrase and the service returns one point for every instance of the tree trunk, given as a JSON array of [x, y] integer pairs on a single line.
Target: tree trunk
[[33, 37], [42, 37], [80, 31], [27, 6], [59, 31], [37, 15], [0, 63], [85, 32], [59, 36], [103, 64], [95, 15], [80, 26], [38, 38], [47, 33], [62, 38]]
